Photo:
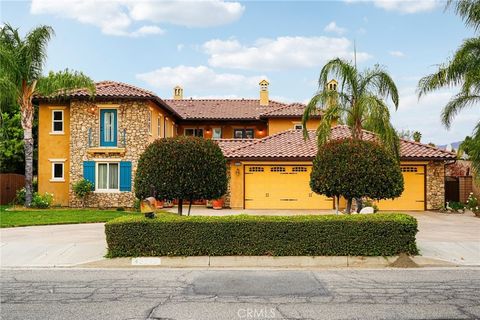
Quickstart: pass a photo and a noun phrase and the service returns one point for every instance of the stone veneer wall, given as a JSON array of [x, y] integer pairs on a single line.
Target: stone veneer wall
[[132, 116], [435, 185], [226, 197]]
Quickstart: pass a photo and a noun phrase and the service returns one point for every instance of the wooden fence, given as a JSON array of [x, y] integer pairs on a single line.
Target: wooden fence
[[9, 184]]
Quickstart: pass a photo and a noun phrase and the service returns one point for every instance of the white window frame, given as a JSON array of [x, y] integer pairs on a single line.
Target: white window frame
[[213, 133], [150, 116], [107, 190], [54, 162], [61, 121]]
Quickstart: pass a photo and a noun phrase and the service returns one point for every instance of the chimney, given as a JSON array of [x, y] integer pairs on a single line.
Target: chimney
[[332, 85], [178, 93], [264, 92]]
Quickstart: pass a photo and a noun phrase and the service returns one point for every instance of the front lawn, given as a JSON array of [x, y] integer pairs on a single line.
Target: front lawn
[[36, 217]]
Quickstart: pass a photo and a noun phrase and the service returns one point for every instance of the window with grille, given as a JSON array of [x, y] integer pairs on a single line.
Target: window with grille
[[255, 169], [277, 169], [409, 169], [299, 169]]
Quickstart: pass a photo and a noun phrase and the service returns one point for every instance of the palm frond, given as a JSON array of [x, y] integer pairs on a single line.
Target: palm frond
[[456, 104], [34, 50], [469, 10], [61, 82], [378, 80], [343, 72]]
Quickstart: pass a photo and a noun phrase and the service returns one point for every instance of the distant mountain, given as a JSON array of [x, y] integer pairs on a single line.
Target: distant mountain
[[455, 145]]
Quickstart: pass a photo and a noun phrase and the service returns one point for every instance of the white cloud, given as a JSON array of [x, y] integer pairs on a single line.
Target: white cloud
[[397, 54], [333, 27], [118, 17], [200, 80], [402, 6], [279, 53], [424, 115]]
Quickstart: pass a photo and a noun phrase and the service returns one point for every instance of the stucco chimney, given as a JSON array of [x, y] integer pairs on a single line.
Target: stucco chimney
[[264, 92], [178, 93]]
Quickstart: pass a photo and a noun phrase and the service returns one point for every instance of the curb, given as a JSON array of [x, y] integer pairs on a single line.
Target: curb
[[261, 262]]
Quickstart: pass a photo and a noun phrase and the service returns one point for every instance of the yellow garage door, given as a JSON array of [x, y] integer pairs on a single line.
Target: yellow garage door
[[413, 196], [281, 187]]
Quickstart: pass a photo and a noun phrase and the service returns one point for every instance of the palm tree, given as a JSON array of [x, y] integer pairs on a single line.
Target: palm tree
[[462, 70], [21, 79], [359, 101]]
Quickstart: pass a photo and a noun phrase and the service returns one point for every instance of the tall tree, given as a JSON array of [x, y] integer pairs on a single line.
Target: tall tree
[[359, 101], [463, 71], [21, 79]]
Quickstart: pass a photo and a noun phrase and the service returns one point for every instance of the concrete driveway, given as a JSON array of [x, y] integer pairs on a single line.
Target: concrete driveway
[[50, 246], [450, 237]]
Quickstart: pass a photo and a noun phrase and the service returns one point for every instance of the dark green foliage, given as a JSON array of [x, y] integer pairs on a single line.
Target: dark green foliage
[[12, 157], [188, 168], [330, 235], [82, 189], [356, 169]]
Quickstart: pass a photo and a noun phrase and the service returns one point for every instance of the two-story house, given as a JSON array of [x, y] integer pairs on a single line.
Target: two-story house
[[101, 139]]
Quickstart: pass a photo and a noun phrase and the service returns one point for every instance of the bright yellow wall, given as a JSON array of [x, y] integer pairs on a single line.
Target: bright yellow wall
[[53, 146], [237, 180], [276, 125], [165, 120]]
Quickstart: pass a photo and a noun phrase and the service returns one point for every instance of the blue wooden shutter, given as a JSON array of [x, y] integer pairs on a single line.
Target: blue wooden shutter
[[89, 171], [125, 176]]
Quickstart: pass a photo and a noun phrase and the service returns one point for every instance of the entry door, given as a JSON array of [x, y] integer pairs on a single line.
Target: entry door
[[281, 187], [413, 196], [108, 127]]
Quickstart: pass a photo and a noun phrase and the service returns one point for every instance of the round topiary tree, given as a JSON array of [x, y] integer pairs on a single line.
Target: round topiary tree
[[181, 168], [356, 169]]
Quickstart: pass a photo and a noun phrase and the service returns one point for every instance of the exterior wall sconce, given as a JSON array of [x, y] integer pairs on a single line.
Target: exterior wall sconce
[[92, 109], [237, 172]]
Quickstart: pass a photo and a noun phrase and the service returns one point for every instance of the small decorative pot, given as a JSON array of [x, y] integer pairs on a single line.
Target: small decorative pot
[[217, 204]]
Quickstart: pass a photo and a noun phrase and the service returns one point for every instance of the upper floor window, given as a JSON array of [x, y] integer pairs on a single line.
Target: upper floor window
[[298, 126], [57, 121], [150, 122], [195, 132], [217, 133], [159, 126], [243, 133], [108, 127]]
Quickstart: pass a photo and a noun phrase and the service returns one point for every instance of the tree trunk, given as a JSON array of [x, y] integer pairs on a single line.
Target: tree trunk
[[190, 206], [349, 206], [180, 206], [27, 111], [359, 203], [337, 203]]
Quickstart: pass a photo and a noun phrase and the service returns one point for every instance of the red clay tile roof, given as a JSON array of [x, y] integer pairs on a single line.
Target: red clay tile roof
[[221, 109], [290, 145], [113, 89], [291, 110], [228, 145]]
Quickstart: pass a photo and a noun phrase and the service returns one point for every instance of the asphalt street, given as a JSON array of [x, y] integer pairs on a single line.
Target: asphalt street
[[240, 294]]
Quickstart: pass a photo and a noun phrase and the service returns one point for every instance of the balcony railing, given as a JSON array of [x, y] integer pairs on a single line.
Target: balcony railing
[[94, 145]]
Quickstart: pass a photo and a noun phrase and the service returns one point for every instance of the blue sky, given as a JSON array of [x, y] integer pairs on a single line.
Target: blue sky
[[222, 49]]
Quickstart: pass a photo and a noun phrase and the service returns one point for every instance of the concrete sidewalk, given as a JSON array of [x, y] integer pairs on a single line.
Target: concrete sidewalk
[[52, 246]]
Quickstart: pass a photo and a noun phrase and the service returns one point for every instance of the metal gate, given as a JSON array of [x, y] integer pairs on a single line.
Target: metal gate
[[452, 189]]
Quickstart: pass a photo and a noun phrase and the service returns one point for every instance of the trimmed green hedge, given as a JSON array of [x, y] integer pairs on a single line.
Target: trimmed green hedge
[[323, 235]]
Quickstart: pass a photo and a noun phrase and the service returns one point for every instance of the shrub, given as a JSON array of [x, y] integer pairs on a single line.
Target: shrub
[[356, 169], [20, 197], [136, 205], [82, 189], [370, 203], [181, 168], [40, 201], [332, 235], [456, 206]]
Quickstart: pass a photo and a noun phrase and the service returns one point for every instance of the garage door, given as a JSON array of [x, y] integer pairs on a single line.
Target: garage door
[[413, 196], [281, 187]]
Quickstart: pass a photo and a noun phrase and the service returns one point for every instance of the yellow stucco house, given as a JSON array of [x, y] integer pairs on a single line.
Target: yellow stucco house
[[101, 139]]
